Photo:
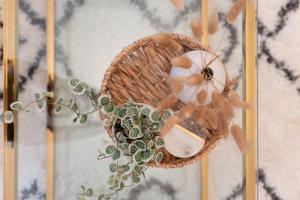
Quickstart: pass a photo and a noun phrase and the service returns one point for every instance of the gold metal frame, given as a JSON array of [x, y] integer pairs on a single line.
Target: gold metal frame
[[204, 161], [10, 77], [50, 88], [250, 95]]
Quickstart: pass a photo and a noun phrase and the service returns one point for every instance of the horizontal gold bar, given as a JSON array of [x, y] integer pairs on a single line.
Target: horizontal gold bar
[[10, 77], [250, 95]]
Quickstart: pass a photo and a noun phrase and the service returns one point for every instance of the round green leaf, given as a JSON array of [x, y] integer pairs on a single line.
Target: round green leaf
[[127, 123], [104, 99], [147, 156], [135, 132], [159, 142], [155, 116], [140, 144], [150, 145], [133, 148], [73, 82], [122, 113], [131, 111], [83, 119], [108, 108], [138, 156], [146, 110], [78, 89], [135, 178], [158, 157], [8, 117], [167, 114], [116, 154], [155, 126], [120, 137], [109, 150], [16, 106], [113, 167]]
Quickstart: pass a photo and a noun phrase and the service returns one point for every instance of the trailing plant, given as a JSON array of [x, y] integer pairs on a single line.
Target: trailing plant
[[135, 132]]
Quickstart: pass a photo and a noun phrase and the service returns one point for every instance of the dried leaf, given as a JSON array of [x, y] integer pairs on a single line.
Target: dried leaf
[[195, 79], [167, 102], [239, 138], [235, 10], [166, 41], [196, 26], [179, 4], [213, 23], [181, 61], [169, 125], [201, 96]]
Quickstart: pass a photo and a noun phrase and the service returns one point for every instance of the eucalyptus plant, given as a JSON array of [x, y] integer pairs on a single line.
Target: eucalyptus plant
[[135, 131]]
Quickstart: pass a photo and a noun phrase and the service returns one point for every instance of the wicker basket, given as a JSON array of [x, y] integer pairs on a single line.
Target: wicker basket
[[140, 72]]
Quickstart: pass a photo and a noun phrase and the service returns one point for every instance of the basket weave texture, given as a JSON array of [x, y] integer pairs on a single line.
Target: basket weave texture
[[140, 72]]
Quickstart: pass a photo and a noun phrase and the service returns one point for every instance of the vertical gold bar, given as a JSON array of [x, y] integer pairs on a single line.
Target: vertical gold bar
[[50, 87], [10, 95], [204, 40], [250, 94]]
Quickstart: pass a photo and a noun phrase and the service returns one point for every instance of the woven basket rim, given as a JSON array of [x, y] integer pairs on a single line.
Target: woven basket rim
[[124, 54]]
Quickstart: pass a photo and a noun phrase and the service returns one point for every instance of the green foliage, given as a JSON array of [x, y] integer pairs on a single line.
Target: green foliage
[[17, 106]]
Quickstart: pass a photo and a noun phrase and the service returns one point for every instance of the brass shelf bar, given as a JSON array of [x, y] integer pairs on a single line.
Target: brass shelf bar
[[50, 163], [10, 77], [250, 94], [204, 161]]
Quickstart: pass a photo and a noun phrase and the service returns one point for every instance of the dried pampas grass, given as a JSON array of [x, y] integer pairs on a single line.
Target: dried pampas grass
[[195, 79], [216, 99], [188, 110], [182, 61], [179, 4], [235, 11], [213, 23], [166, 41], [196, 26], [175, 84], [212, 119], [168, 101], [239, 138], [201, 96], [169, 125], [237, 102]]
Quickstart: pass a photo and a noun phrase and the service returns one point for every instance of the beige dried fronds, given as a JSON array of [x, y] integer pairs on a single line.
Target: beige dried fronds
[[195, 79], [212, 118], [222, 124], [217, 99], [201, 96], [169, 125], [234, 98], [182, 61], [175, 84], [239, 137], [166, 41], [167, 102], [237, 102], [179, 4], [188, 110], [227, 109], [213, 23], [235, 10], [196, 25]]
